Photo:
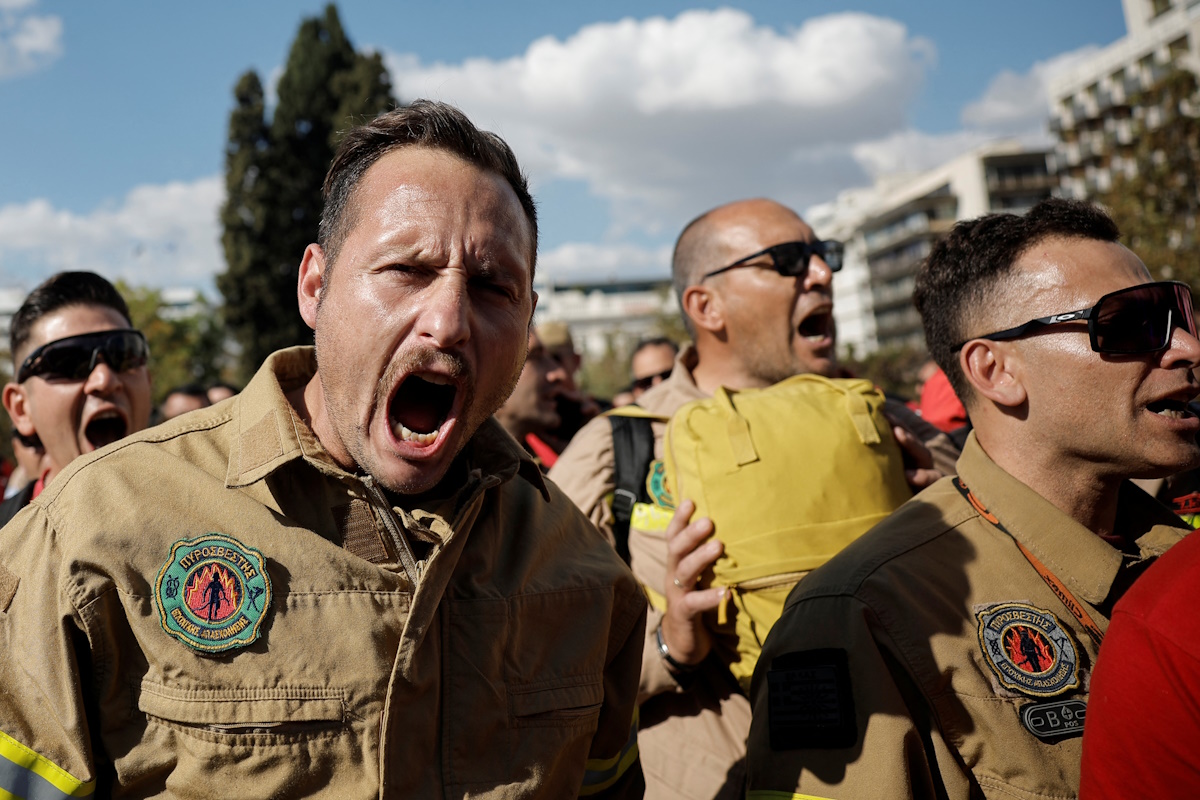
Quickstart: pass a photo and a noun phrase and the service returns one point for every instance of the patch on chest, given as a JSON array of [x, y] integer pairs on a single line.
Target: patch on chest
[[1028, 649], [657, 487], [1054, 720], [212, 593]]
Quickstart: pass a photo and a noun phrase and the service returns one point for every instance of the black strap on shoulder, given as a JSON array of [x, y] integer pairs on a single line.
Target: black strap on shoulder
[[633, 450]]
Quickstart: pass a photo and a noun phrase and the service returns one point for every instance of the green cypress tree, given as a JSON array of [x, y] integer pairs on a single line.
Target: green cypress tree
[[274, 203], [245, 283]]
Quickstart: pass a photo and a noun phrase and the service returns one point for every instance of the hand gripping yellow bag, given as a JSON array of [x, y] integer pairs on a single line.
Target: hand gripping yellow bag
[[789, 475]]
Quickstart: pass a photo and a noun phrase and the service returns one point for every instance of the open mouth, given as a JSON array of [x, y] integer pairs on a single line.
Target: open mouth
[[1171, 409], [105, 428], [816, 326], [421, 405]]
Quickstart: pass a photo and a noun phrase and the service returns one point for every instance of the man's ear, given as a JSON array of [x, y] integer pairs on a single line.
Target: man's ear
[[16, 403], [309, 283], [704, 307], [994, 370]]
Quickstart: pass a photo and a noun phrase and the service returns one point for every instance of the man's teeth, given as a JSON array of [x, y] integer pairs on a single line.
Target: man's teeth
[[1172, 413], [416, 438]]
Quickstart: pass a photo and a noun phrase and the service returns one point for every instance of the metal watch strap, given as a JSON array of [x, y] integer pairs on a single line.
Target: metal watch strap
[[666, 653]]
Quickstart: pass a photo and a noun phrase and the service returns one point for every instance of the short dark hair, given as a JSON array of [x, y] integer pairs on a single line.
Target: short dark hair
[[654, 341], [59, 291], [423, 123], [965, 270]]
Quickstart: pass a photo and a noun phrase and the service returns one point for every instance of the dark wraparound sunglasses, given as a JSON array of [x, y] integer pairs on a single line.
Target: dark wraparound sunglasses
[[1139, 319], [648, 381], [74, 357], [790, 259]]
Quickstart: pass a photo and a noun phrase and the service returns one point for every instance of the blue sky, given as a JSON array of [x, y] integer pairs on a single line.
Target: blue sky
[[631, 117]]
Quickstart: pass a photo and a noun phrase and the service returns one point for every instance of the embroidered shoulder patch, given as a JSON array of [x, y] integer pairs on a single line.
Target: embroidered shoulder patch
[[212, 593], [1028, 649], [656, 485], [810, 703], [1055, 720]]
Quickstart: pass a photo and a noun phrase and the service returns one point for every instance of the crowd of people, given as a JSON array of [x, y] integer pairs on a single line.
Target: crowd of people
[[416, 559]]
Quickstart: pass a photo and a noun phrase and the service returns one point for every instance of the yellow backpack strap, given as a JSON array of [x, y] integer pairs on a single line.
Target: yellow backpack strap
[[634, 410], [857, 408], [738, 429]]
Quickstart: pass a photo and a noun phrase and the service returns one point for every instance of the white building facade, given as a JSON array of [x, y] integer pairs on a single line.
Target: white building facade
[[1091, 109], [890, 230]]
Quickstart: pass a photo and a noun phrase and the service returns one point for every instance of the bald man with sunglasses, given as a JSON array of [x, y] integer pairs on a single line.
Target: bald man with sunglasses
[[755, 285], [80, 379], [947, 653]]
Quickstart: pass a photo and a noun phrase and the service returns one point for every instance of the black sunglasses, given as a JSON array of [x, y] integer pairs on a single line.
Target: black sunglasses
[[648, 381], [74, 357], [790, 259], [1139, 319]]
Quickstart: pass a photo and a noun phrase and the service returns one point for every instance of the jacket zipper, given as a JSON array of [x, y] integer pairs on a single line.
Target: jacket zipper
[[399, 540]]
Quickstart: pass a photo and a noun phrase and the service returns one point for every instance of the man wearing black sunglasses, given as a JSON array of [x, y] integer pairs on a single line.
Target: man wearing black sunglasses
[[755, 285], [954, 642], [79, 373]]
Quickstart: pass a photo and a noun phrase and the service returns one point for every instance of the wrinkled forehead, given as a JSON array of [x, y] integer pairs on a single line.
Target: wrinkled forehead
[[424, 189]]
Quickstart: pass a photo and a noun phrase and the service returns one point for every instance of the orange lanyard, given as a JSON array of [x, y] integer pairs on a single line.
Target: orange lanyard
[[1058, 587]]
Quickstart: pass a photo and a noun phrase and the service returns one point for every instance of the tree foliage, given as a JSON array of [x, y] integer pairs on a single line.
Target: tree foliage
[[273, 174], [1157, 208], [184, 348]]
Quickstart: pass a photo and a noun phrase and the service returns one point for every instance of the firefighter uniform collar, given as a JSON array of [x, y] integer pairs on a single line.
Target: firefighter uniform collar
[[1082, 560], [271, 434]]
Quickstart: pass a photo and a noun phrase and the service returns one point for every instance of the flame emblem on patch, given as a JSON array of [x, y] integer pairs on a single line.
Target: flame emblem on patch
[[202, 592], [1028, 649]]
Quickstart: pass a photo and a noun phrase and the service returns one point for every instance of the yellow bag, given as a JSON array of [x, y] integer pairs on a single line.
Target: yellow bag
[[789, 475]]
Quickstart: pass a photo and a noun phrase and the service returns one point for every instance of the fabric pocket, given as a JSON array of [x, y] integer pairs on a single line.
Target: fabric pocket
[[525, 674], [566, 703], [246, 716]]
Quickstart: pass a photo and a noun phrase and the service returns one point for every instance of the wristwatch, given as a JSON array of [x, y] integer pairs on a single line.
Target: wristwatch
[[666, 653]]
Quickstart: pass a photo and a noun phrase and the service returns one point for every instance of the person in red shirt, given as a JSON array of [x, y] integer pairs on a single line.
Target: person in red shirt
[[1142, 733]]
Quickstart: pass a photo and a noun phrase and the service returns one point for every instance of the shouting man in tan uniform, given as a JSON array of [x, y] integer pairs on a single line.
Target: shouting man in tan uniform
[[766, 316], [347, 581], [947, 652]]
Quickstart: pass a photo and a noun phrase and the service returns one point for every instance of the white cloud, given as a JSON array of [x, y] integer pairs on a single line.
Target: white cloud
[[1014, 106], [159, 235], [28, 41], [1019, 104], [911, 151], [666, 117]]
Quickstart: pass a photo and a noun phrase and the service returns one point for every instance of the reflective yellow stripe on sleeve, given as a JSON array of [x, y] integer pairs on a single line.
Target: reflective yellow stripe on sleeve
[[599, 774], [771, 794], [25, 774]]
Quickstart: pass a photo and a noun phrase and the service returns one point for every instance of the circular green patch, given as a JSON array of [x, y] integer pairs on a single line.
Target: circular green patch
[[212, 593]]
